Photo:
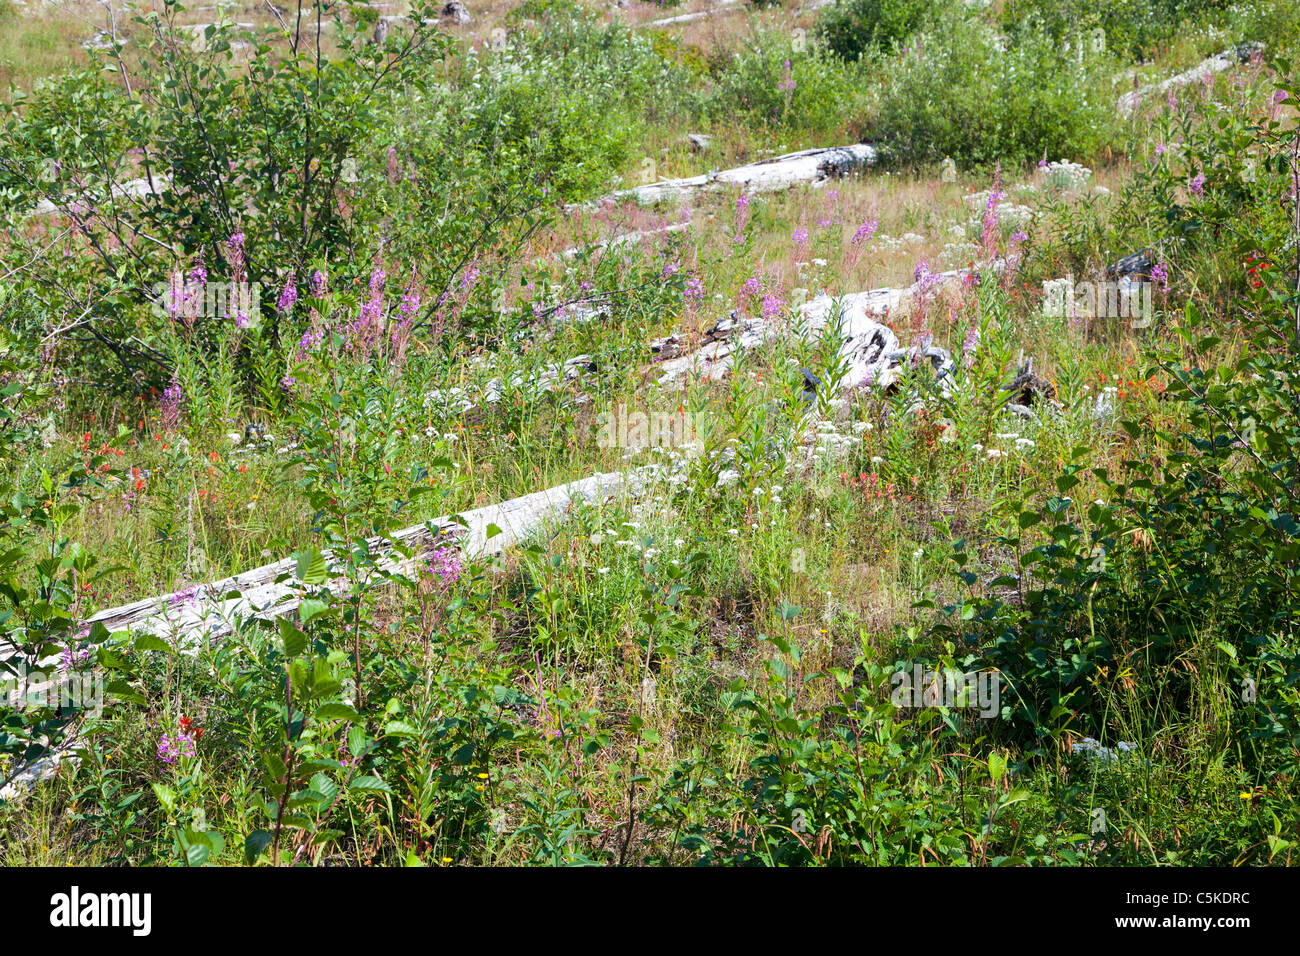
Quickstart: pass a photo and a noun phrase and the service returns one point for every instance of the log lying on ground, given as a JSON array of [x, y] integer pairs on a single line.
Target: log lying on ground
[[626, 239], [540, 381], [870, 348], [188, 613], [193, 615], [714, 358], [811, 166], [131, 189], [1130, 101], [722, 6], [1028, 391]]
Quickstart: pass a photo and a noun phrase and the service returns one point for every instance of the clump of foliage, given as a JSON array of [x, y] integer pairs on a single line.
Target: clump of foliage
[[852, 28], [968, 93]]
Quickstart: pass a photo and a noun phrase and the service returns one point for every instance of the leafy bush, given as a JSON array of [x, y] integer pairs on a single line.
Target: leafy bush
[[295, 156], [854, 784], [965, 92], [851, 28], [1193, 559], [1133, 28], [767, 84]]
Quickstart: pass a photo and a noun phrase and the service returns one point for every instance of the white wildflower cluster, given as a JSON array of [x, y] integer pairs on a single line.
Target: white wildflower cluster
[[890, 243], [1017, 442], [1064, 176], [958, 253], [1011, 215], [768, 502], [828, 441]]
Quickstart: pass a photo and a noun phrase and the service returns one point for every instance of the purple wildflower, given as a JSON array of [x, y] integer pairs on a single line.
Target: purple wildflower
[[1160, 273], [367, 323], [1197, 185], [772, 306], [72, 659], [992, 214], [865, 232], [694, 294], [187, 597], [288, 295], [169, 407], [318, 282], [172, 746], [787, 81], [410, 302], [446, 564], [310, 339], [236, 256]]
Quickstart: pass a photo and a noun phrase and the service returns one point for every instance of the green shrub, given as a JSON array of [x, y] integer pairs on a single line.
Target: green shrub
[[1134, 28], [1186, 576], [851, 28], [768, 84], [969, 94]]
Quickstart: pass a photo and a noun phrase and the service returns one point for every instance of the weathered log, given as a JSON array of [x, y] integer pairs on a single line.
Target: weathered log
[[260, 595], [193, 615], [131, 189], [625, 239], [1129, 102], [811, 166], [870, 348], [722, 6]]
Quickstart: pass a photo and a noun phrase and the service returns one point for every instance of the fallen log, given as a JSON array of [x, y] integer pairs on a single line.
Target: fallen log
[[1129, 102], [870, 348], [131, 189], [812, 166], [722, 6], [625, 239], [261, 596], [192, 615]]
